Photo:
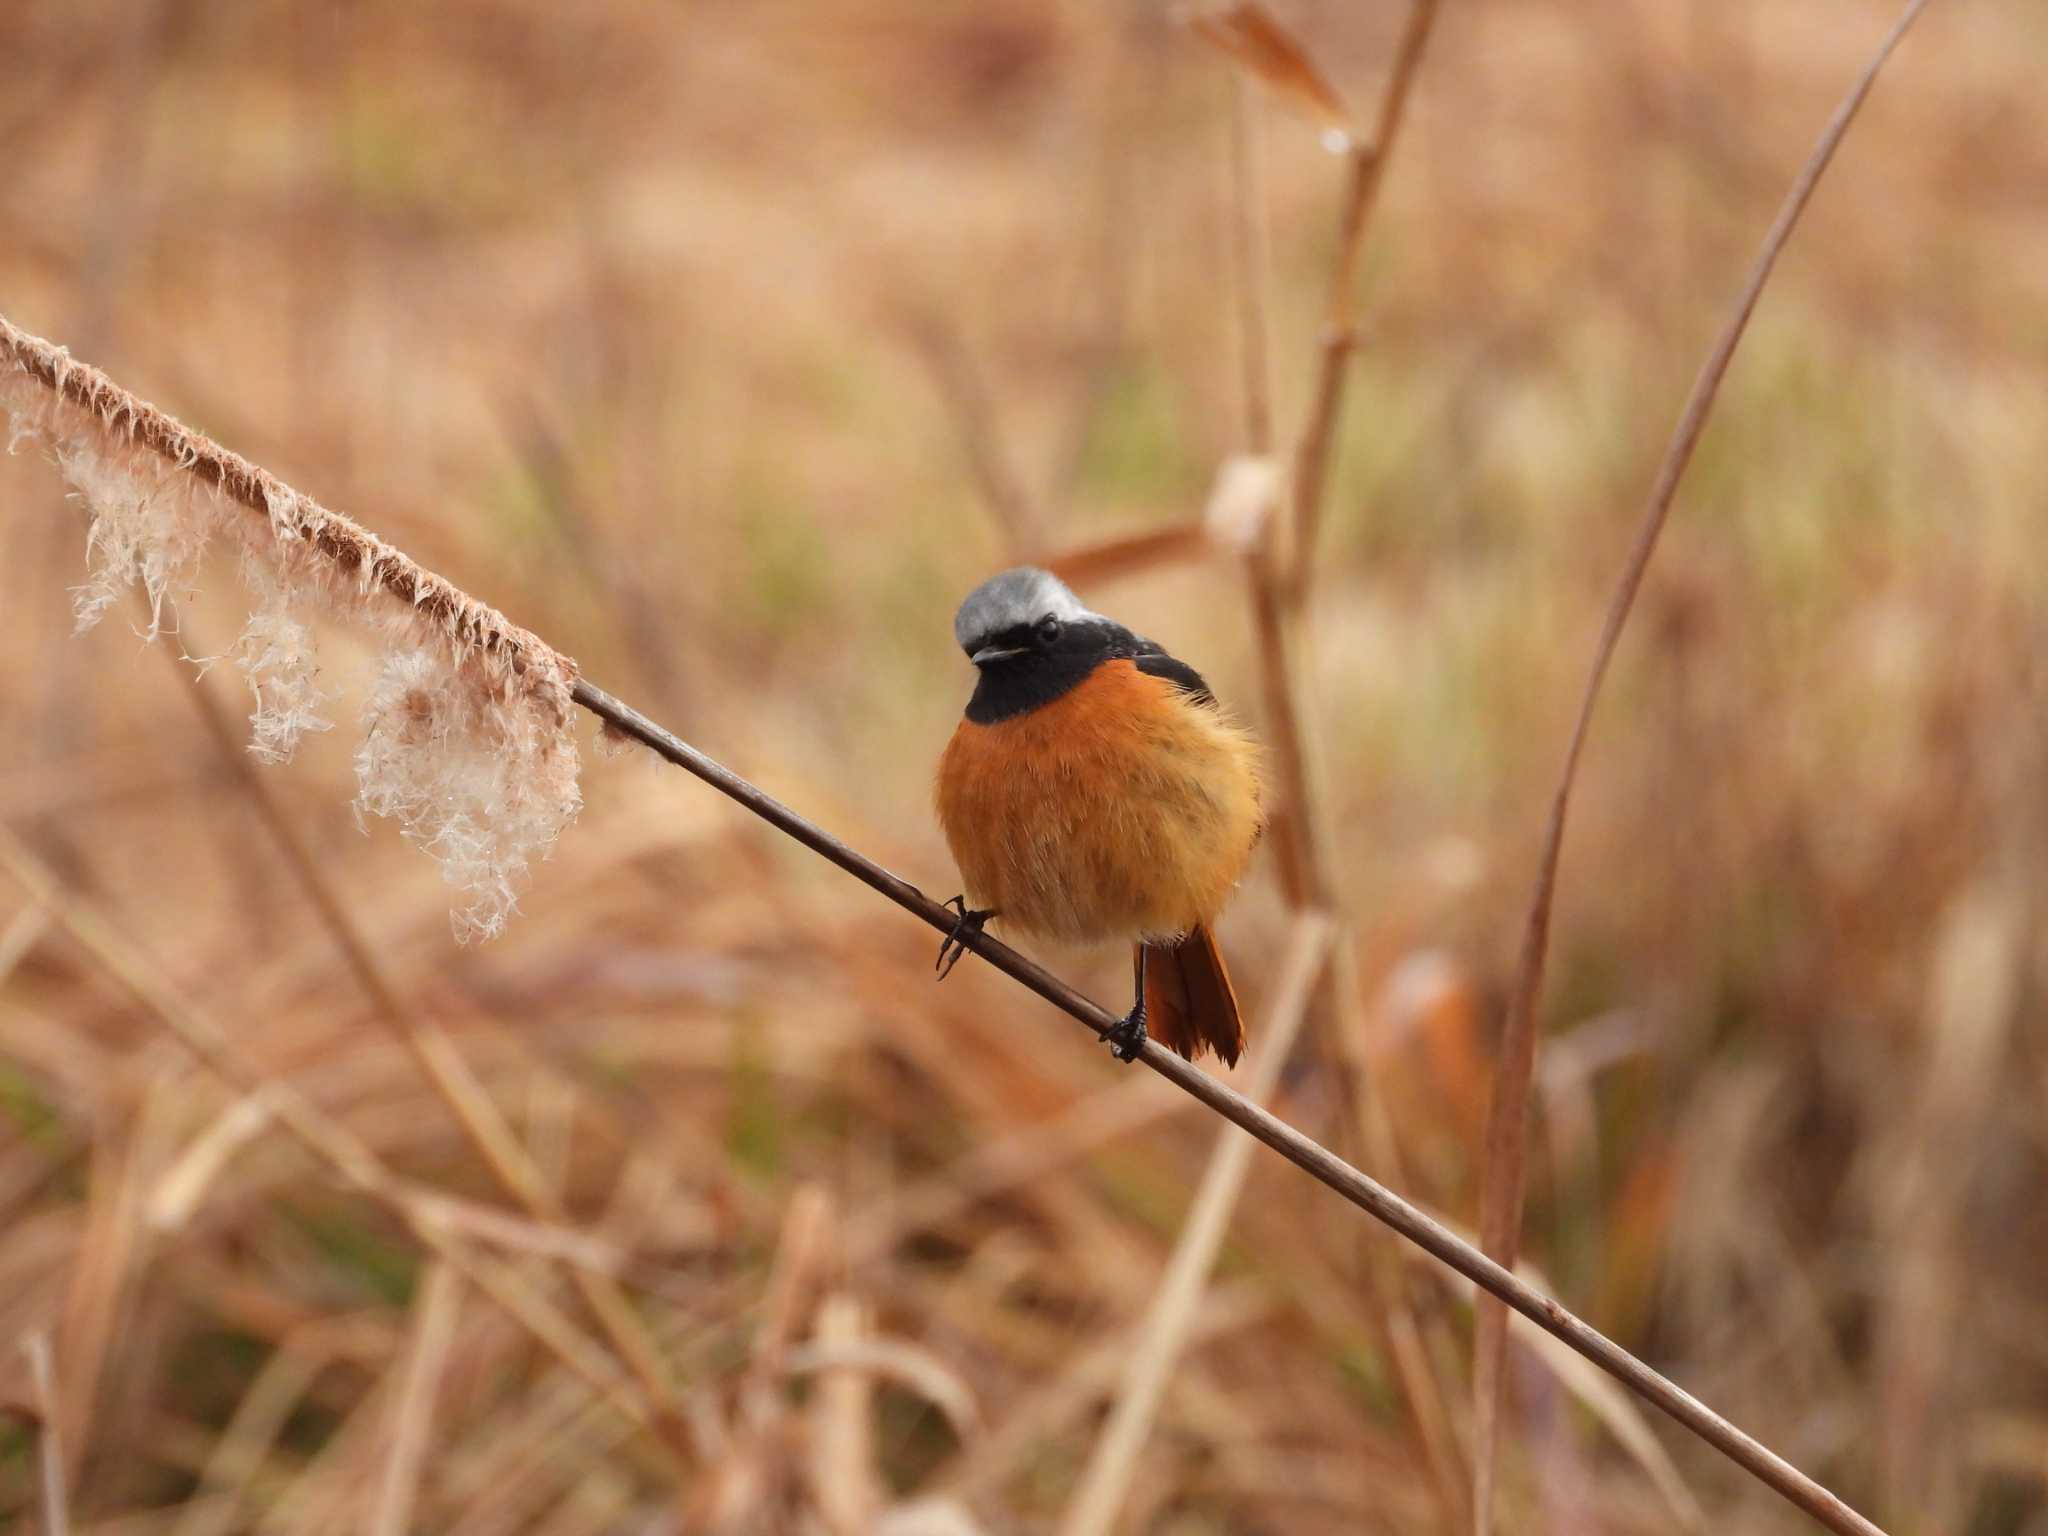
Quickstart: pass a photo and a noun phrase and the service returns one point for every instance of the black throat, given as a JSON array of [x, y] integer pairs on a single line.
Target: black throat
[[1040, 672]]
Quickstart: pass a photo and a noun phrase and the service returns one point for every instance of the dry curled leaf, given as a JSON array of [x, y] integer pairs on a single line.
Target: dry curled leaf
[[1249, 34]]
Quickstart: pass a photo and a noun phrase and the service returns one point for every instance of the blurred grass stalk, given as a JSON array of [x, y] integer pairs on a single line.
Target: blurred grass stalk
[[333, 1144], [1506, 1170], [52, 1479]]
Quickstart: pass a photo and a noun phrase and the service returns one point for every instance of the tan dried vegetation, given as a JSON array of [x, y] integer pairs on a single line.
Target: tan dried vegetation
[[724, 346]]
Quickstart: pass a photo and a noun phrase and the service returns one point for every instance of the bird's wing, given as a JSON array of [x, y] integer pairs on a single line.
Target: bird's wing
[[1156, 663]]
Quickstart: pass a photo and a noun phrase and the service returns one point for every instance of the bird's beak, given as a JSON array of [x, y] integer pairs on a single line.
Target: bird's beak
[[989, 653]]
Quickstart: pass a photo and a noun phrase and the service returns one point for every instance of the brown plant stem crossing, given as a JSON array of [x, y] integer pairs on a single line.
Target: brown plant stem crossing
[[1304, 1152]]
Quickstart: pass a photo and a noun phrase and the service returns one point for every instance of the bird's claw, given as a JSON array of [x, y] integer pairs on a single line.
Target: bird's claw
[[954, 945], [1126, 1037]]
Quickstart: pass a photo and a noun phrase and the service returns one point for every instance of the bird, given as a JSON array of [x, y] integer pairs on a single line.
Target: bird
[[1095, 791]]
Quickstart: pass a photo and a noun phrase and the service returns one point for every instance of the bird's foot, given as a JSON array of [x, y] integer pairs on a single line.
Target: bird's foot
[[1126, 1038], [954, 945]]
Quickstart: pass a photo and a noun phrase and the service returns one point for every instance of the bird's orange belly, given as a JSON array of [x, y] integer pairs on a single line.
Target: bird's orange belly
[[1120, 810]]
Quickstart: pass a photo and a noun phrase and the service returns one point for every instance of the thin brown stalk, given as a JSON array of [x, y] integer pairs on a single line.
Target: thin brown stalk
[[1301, 844], [1303, 1151], [843, 1476], [1419, 1347], [1177, 1298], [412, 1416], [113, 1254], [51, 1480], [1126, 553], [331, 1142], [442, 1064], [1366, 166], [731, 1499], [1279, 555], [1507, 1121], [1294, 807]]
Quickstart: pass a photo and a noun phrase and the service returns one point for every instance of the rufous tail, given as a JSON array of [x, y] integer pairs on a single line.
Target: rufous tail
[[1190, 1005]]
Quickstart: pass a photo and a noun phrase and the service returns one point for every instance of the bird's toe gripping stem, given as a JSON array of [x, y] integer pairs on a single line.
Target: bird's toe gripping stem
[[954, 945], [1126, 1038]]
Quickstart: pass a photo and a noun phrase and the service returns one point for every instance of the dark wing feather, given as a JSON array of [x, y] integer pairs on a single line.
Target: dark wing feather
[[1156, 663]]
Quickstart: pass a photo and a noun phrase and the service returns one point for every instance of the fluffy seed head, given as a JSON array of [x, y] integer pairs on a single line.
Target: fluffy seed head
[[467, 738]]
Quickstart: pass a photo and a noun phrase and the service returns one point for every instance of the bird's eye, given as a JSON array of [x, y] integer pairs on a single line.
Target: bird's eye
[[1048, 629]]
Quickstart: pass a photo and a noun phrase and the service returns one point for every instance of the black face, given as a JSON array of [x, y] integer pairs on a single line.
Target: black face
[[1050, 656]]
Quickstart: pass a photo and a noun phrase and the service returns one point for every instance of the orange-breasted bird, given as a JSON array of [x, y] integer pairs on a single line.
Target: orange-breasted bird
[[1094, 792]]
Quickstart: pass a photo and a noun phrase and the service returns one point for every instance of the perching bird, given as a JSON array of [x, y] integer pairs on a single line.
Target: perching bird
[[1096, 792]]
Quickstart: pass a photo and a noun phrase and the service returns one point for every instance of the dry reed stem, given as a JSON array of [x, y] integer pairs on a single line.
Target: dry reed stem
[[1303, 879], [1366, 166], [1976, 964], [843, 1482], [806, 1250], [435, 1312], [1302, 847], [1106, 1480], [1279, 556], [51, 1482], [442, 1064], [1421, 1348], [332, 1143], [1631, 1431], [1506, 1130], [907, 1364], [1304, 1152], [1124, 554], [112, 1252]]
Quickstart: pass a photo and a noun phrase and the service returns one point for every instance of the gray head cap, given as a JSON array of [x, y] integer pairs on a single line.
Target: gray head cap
[[1020, 596]]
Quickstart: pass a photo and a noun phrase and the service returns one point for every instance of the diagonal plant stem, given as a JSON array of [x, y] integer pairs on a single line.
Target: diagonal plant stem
[[243, 483], [378, 565], [1303, 1151], [1506, 1130]]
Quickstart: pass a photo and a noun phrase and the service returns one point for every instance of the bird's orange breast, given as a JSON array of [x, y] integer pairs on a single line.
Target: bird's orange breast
[[1120, 810]]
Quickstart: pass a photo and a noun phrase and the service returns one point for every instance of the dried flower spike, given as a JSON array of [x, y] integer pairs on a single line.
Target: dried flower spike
[[467, 736]]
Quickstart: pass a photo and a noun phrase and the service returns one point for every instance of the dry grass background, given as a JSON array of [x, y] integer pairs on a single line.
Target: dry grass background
[[700, 341]]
